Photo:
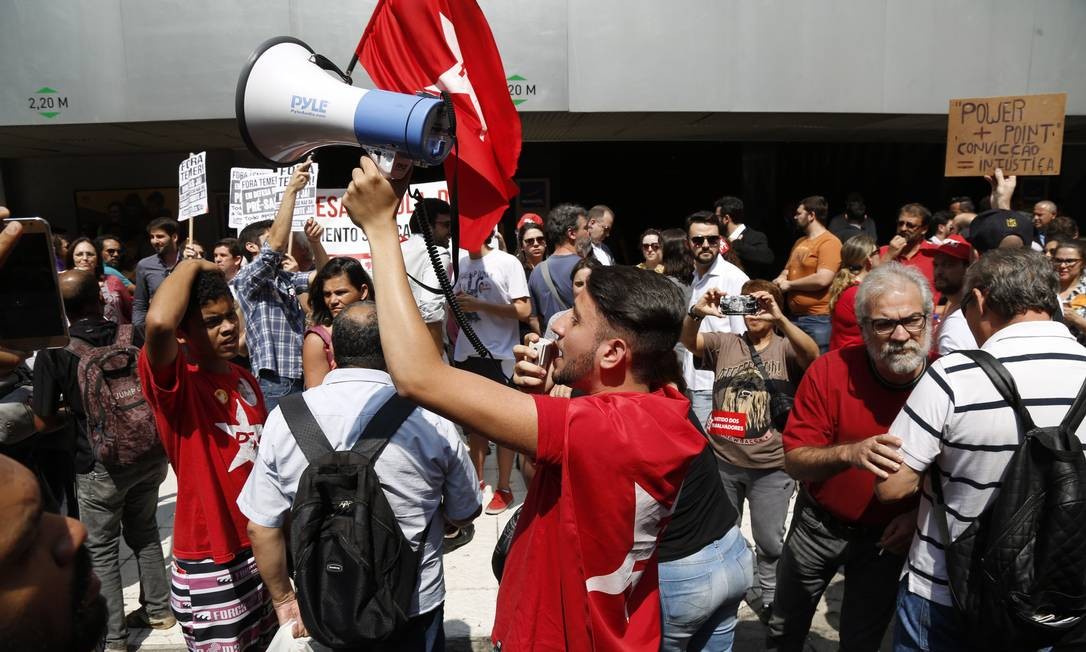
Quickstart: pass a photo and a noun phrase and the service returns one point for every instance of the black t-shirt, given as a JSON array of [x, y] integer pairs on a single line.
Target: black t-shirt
[[704, 512]]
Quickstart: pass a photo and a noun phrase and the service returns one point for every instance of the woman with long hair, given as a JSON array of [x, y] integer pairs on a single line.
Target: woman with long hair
[[1069, 263], [676, 258], [531, 246], [650, 251], [338, 284], [858, 255], [84, 255]]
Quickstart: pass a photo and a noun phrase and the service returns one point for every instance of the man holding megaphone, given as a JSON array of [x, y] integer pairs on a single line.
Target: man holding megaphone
[[581, 571]]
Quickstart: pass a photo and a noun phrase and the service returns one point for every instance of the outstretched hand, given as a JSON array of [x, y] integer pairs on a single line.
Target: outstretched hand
[[1002, 188]]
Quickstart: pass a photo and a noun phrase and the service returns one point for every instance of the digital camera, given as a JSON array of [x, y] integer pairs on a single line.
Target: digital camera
[[744, 304]]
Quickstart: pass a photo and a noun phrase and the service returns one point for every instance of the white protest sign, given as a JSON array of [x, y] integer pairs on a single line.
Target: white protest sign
[[342, 238], [255, 195], [192, 186]]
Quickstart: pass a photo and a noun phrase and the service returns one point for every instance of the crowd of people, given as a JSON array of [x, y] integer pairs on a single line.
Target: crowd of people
[[829, 392]]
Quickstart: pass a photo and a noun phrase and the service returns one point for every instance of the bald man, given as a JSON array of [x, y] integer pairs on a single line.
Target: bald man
[[48, 594], [1043, 213]]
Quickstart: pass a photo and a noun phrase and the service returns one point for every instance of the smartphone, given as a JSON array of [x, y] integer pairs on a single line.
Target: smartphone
[[32, 317]]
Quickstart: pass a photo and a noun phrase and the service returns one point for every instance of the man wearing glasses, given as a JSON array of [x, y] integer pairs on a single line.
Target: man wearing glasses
[[911, 239], [835, 447], [710, 271], [811, 266], [112, 250]]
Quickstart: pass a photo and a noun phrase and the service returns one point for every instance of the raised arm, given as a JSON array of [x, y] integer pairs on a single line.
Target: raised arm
[[168, 309], [499, 413], [708, 305], [280, 229]]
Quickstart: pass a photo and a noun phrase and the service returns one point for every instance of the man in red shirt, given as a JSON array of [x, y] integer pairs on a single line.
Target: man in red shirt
[[911, 239], [834, 445], [581, 573], [209, 414]]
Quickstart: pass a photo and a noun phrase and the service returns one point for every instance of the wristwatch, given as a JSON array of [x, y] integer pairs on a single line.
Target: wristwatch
[[694, 315]]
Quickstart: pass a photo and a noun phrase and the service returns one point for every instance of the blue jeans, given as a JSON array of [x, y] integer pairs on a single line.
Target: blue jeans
[[422, 633], [818, 327], [275, 387], [700, 595], [926, 626], [701, 402]]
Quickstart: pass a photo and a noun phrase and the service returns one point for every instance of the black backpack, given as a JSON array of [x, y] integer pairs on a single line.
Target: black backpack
[[1018, 572], [354, 570]]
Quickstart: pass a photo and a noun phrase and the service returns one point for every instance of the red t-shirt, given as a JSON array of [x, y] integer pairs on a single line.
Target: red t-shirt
[[844, 329], [840, 400], [581, 571], [210, 425], [926, 264]]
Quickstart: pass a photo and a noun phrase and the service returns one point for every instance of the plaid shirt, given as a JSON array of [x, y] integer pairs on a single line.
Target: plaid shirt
[[274, 321]]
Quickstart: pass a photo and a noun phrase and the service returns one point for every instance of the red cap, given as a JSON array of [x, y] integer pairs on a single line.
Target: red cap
[[529, 217], [955, 246]]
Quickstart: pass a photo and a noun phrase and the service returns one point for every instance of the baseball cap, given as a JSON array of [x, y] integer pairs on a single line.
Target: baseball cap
[[990, 227], [955, 246], [529, 217]]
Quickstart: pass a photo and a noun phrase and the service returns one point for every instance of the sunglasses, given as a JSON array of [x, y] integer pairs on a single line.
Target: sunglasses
[[534, 241], [651, 245], [1066, 262], [699, 240]]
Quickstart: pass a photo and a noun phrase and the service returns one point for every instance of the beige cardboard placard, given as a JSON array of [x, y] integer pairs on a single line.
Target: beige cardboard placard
[[1022, 134]]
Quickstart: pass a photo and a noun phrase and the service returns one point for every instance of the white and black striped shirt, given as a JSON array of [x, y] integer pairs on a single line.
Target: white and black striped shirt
[[956, 423]]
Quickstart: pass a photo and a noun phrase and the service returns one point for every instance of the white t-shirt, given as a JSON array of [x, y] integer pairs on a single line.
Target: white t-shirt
[[956, 423], [425, 467], [417, 261], [954, 334], [728, 278], [496, 277]]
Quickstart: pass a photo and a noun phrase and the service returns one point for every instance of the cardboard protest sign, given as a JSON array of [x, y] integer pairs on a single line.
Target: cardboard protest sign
[[1022, 134], [255, 195], [192, 186], [342, 238]]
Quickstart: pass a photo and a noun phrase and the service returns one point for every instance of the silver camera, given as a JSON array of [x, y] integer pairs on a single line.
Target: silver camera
[[744, 304], [545, 350]]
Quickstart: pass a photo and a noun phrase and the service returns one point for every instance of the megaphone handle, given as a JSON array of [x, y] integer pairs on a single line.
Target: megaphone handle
[[324, 63], [393, 165]]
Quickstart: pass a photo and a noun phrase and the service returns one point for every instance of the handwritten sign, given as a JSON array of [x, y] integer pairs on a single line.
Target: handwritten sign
[[255, 195], [192, 187], [342, 238], [1021, 134]]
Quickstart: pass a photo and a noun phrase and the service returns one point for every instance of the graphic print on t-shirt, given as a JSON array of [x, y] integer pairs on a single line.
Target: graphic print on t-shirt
[[478, 284], [742, 413], [246, 434]]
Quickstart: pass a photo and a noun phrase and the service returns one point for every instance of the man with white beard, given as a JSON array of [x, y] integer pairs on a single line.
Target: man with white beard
[[835, 447]]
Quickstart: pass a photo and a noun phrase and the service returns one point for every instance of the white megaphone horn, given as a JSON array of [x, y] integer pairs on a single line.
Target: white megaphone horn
[[287, 106]]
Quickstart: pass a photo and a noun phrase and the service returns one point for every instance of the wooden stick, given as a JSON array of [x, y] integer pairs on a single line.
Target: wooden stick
[[290, 243], [192, 227]]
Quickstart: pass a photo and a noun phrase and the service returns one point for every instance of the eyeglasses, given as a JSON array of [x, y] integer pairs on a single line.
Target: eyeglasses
[[534, 241], [650, 245], [1065, 262], [698, 240], [914, 323]]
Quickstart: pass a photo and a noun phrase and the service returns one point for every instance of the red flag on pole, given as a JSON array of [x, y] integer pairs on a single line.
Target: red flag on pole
[[446, 45]]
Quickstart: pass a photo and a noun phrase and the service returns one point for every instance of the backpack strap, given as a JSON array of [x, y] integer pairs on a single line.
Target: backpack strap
[[1004, 384], [545, 271], [382, 426], [304, 428], [1076, 412], [124, 335]]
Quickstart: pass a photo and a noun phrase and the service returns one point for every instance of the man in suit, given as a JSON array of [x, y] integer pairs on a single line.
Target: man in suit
[[750, 245]]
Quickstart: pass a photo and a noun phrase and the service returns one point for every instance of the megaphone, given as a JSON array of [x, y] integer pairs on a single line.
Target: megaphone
[[287, 105]]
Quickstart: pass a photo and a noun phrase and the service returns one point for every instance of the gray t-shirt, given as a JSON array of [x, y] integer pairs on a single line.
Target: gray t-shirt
[[544, 303]]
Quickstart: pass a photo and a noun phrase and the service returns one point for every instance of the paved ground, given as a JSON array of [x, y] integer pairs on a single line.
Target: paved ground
[[470, 586]]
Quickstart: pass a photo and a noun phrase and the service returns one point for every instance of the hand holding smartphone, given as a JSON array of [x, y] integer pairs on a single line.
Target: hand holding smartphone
[[32, 317]]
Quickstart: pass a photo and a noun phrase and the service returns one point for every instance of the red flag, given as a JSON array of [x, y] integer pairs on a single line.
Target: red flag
[[446, 45]]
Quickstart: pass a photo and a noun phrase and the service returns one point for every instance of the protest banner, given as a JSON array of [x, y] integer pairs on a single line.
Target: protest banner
[[342, 238], [255, 195], [192, 186], [1021, 134]]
